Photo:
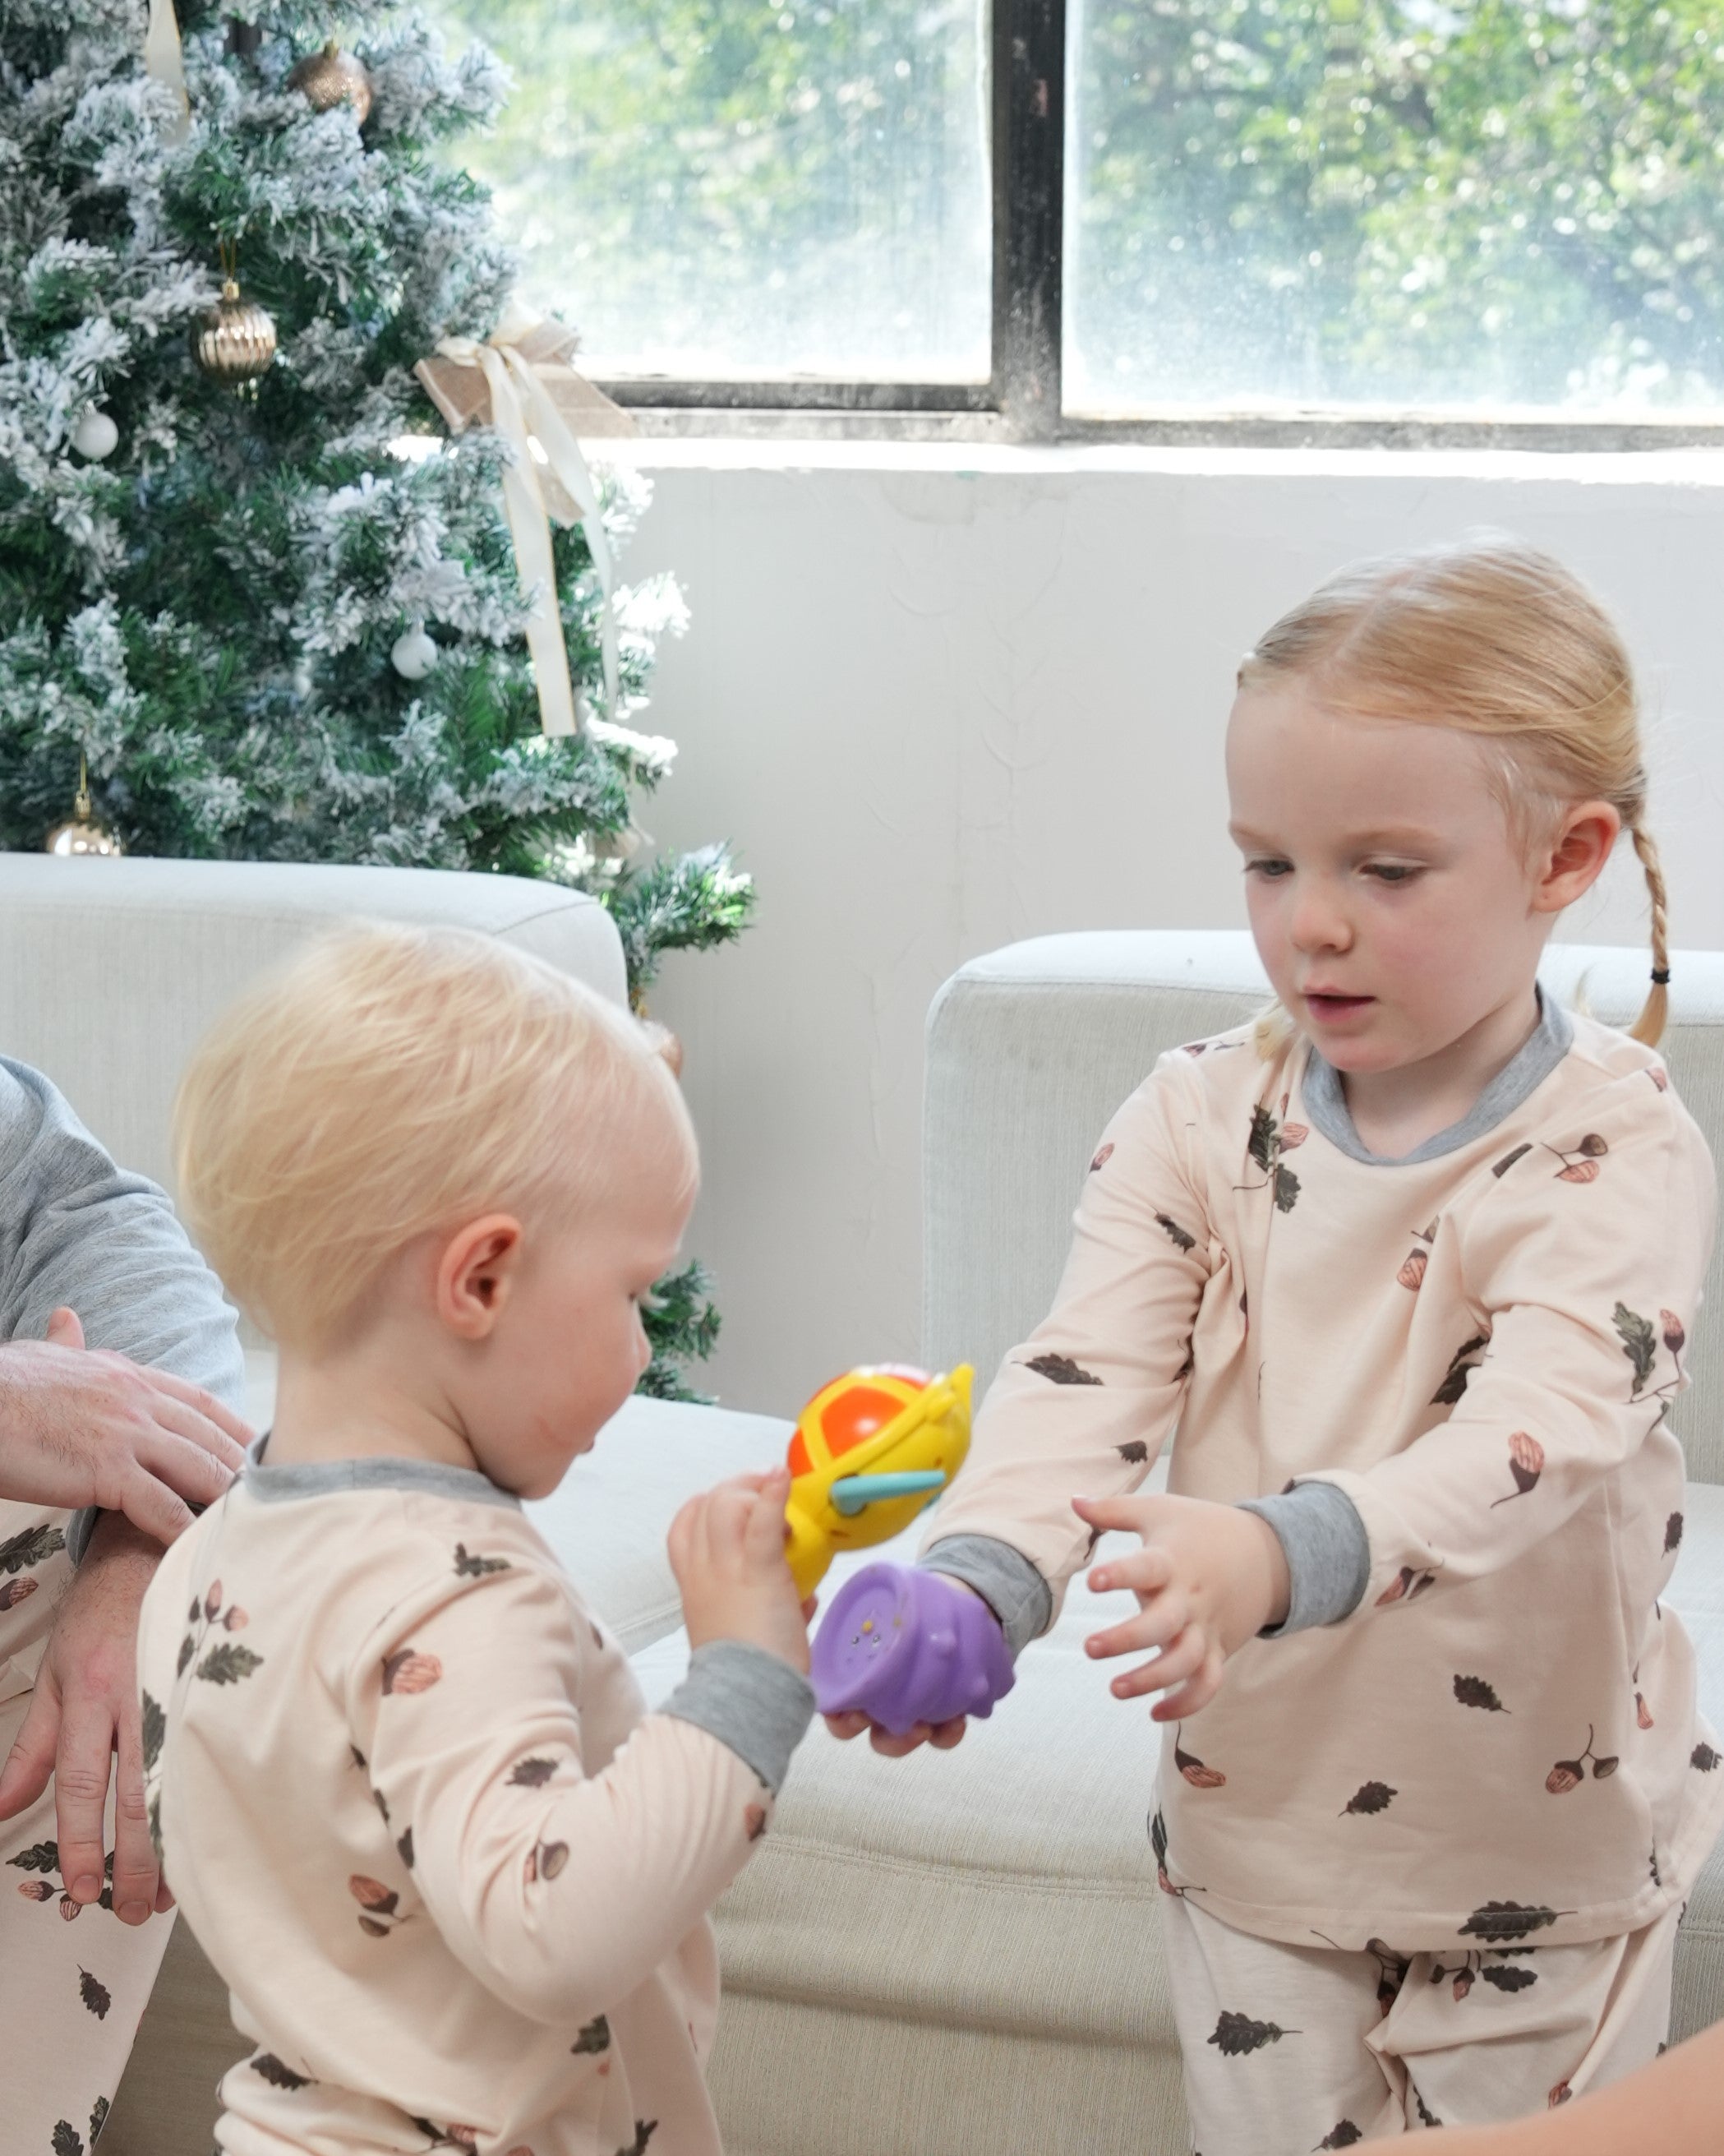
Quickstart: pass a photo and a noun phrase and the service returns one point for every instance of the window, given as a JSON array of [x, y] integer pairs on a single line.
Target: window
[[1496, 219]]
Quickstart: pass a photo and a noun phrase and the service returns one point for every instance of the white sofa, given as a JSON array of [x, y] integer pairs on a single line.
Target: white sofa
[[954, 1953]]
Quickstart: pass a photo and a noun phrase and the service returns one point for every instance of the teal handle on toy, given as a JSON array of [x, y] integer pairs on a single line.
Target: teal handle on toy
[[855, 1492]]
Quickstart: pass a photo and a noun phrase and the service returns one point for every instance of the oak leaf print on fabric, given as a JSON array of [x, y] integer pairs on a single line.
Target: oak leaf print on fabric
[[644, 2130], [1195, 1772], [1341, 2136], [1704, 1757], [32, 1546], [407, 1670], [1673, 1534], [96, 1994], [1134, 1452], [531, 1774], [227, 1663], [1638, 1344], [1509, 1920], [475, 1567], [1461, 1365], [1265, 1145], [595, 2036], [1507, 1977], [1370, 1797], [1236, 2035], [276, 2073], [98, 2119], [1474, 1691], [1525, 1464], [1061, 1370], [65, 2139], [1181, 1238]]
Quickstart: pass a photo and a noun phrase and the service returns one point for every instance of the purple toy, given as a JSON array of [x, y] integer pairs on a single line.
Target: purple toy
[[905, 1646]]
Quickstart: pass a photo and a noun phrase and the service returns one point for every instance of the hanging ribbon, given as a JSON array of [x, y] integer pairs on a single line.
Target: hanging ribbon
[[164, 61], [521, 382]]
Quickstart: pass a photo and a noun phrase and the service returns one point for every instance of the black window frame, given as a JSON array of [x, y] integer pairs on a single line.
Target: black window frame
[[1022, 400]]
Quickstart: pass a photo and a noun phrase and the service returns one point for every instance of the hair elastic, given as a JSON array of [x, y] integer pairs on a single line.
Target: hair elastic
[[1661, 977]]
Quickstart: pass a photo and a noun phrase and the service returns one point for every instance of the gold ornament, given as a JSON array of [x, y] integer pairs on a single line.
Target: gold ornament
[[330, 78], [82, 835], [234, 341]]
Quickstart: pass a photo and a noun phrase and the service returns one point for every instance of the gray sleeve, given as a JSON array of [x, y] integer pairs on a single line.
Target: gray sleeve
[[747, 1699], [1005, 1579], [1327, 1550], [76, 1229]]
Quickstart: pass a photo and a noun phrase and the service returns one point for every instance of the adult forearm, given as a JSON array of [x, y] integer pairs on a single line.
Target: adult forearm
[[1674, 2108]]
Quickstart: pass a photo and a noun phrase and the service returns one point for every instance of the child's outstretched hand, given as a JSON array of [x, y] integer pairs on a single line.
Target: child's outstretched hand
[[1208, 1578], [727, 1550]]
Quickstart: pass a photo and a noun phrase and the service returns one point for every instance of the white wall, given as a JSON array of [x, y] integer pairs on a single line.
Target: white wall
[[944, 699]]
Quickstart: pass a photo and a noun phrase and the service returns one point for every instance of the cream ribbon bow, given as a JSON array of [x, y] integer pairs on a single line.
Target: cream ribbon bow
[[517, 380], [162, 59]]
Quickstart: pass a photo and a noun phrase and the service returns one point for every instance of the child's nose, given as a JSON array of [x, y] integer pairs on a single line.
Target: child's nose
[[1319, 921]]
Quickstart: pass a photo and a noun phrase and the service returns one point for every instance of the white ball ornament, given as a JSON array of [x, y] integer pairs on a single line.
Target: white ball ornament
[[96, 436], [413, 654]]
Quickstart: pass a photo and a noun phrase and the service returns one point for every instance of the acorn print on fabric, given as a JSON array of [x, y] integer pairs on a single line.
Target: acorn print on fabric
[[1582, 1164], [15, 1591], [1643, 1713], [407, 1670], [1569, 1773], [226, 1662], [546, 1860], [1408, 1586], [379, 1903], [1525, 1464], [44, 1857], [1658, 1077], [1412, 1273], [1474, 1691], [1369, 1799], [1193, 1769], [1236, 2035], [1061, 1370]]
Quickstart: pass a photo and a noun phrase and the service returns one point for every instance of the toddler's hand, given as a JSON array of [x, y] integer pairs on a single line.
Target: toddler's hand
[[727, 1551], [1208, 1578]]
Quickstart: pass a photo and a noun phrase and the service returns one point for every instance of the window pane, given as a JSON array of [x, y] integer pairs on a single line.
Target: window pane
[[717, 187], [1458, 204]]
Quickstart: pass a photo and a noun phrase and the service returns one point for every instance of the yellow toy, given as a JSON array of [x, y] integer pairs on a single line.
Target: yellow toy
[[871, 1450]]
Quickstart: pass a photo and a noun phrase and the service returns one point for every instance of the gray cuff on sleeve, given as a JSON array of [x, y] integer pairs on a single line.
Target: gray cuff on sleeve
[[1005, 1579], [79, 1530], [1327, 1550], [747, 1699]]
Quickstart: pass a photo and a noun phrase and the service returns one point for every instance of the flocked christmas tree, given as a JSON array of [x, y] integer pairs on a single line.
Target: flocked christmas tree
[[285, 621]]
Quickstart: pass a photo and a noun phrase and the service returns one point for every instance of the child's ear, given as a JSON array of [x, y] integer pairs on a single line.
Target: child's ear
[[475, 1273], [1577, 855]]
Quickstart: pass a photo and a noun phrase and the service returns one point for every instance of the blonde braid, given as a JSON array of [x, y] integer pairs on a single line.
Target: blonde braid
[[1650, 1025]]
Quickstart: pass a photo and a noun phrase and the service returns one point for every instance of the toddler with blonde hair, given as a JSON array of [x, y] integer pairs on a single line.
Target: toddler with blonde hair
[[398, 1774], [1408, 1270]]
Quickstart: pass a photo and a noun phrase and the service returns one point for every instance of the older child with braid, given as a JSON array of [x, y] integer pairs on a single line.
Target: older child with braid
[[1412, 1264]]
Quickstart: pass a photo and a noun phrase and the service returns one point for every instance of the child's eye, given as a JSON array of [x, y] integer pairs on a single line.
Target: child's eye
[[1392, 871], [1270, 867]]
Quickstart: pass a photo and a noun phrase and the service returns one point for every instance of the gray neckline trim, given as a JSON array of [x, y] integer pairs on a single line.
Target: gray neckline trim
[[327, 1478], [1325, 1098]]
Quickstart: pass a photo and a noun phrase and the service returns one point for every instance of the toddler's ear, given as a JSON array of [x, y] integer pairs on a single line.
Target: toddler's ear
[[476, 1274]]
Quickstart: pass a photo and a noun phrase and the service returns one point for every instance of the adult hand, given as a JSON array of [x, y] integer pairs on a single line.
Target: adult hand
[[1208, 1578], [80, 1428], [83, 1717]]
